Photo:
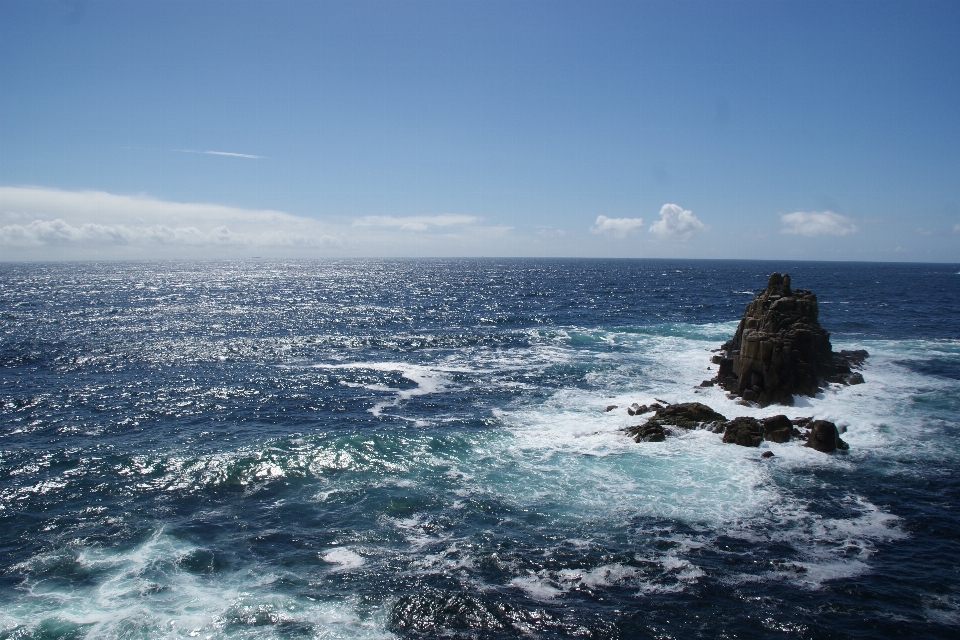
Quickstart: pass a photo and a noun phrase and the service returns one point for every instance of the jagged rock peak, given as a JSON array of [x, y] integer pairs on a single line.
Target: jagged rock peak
[[780, 349]]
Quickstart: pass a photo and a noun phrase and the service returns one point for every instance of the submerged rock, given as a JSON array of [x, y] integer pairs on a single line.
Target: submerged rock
[[854, 378], [854, 357], [686, 415], [780, 349], [637, 409], [647, 433]]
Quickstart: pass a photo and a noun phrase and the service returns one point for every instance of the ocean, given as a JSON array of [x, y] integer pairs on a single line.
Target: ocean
[[420, 448]]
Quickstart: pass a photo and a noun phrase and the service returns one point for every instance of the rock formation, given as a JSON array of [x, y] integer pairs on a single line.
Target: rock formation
[[778, 428], [744, 431], [824, 436], [780, 349], [686, 415]]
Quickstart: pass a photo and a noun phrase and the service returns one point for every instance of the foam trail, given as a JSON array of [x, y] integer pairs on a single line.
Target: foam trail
[[428, 380]]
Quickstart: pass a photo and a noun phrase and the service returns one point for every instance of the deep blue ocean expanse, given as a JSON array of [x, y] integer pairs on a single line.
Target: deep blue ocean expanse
[[419, 448]]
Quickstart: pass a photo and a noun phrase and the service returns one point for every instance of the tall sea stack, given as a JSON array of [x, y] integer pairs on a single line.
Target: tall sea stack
[[780, 349]]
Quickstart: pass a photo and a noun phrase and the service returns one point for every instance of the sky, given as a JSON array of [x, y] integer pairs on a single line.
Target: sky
[[762, 130]]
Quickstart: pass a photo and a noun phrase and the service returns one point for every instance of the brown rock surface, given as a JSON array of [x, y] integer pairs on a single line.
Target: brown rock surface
[[744, 431], [780, 349], [777, 428], [685, 415], [825, 437], [647, 433]]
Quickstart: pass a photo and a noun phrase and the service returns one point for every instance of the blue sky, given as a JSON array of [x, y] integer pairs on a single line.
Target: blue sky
[[796, 130]]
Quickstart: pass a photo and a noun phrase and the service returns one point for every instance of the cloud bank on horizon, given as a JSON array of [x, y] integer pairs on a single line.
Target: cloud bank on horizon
[[416, 223], [39, 223], [34, 218], [44, 223]]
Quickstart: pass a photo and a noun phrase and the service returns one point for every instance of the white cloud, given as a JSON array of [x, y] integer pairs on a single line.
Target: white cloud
[[616, 227], [416, 223], [676, 223], [38, 223], [46, 223], [817, 223], [956, 228]]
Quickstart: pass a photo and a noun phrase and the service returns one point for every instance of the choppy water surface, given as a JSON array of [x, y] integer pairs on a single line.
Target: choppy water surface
[[420, 449]]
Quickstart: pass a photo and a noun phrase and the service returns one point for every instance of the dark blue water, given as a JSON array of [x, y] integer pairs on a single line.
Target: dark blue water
[[420, 449]]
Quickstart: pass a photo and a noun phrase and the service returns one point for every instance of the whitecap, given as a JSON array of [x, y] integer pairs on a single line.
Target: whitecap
[[537, 586], [428, 380], [344, 558]]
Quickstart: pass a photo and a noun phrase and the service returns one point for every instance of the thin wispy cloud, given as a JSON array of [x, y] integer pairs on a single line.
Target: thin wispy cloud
[[817, 223], [676, 223], [416, 223], [551, 232], [230, 154], [616, 227]]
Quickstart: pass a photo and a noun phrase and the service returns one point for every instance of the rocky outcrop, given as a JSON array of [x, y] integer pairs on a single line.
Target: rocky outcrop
[[744, 431], [647, 433], [686, 415], [777, 428], [639, 409], [824, 436], [780, 349]]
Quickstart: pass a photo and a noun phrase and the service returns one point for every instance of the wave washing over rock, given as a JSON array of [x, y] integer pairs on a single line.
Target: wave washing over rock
[[420, 449], [746, 431], [779, 350]]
